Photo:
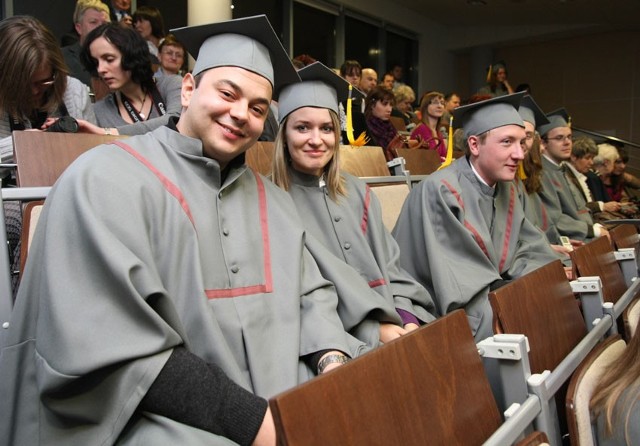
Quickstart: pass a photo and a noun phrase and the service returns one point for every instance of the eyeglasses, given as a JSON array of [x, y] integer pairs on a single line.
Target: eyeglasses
[[436, 102], [45, 83], [560, 138], [176, 54]]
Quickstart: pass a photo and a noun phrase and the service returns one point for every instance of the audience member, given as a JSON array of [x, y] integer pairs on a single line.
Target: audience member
[[397, 71], [34, 86], [462, 231], [583, 151], [615, 403], [88, 15], [120, 11], [431, 110], [569, 218], [387, 81], [148, 21], [368, 80], [333, 204], [34, 92], [451, 102], [404, 97], [138, 102], [497, 82], [193, 291], [381, 131], [172, 56], [351, 71], [631, 183]]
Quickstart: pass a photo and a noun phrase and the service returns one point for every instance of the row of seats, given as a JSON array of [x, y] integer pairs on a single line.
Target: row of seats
[[432, 383]]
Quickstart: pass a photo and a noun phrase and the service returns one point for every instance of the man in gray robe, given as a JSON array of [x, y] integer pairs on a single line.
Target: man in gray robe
[[169, 289], [462, 231], [571, 219]]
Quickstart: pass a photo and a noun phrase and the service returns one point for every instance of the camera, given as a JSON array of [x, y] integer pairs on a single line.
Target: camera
[[66, 124]]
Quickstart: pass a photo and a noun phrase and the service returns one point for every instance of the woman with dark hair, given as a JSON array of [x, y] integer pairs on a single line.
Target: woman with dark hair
[[431, 110], [148, 21], [377, 113], [138, 103]]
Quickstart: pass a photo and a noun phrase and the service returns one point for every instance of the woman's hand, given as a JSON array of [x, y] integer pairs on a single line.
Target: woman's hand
[[411, 326], [87, 127], [389, 332]]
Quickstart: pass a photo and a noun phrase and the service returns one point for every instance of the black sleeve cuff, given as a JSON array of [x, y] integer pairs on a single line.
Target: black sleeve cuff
[[194, 392]]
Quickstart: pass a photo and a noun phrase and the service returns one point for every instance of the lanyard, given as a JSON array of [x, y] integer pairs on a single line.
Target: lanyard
[[158, 102]]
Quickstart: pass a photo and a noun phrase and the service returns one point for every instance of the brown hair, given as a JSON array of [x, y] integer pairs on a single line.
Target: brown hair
[[620, 376], [424, 105], [282, 158], [170, 40], [377, 94], [532, 164], [27, 45]]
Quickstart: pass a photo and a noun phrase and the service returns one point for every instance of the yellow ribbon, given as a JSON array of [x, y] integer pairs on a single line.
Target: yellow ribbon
[[362, 139], [521, 173], [449, 156]]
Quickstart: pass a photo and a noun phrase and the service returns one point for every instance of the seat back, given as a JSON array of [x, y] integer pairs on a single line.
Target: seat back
[[391, 197], [625, 236], [42, 156], [596, 258], [420, 161], [583, 383], [30, 216], [398, 123], [260, 157], [365, 161], [541, 306], [426, 387]]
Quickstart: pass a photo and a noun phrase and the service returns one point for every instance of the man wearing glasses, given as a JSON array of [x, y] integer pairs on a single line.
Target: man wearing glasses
[[571, 219]]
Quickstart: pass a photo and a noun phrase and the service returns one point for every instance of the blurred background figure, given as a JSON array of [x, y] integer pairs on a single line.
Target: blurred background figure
[[88, 15], [368, 80], [120, 11], [172, 57], [148, 21], [497, 82], [404, 99], [387, 81]]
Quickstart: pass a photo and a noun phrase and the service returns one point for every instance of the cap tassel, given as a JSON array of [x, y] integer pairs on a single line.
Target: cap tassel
[[449, 157], [489, 73], [362, 139], [521, 173], [569, 123]]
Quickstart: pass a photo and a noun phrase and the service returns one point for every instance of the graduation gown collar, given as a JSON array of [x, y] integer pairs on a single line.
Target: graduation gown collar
[[468, 172], [303, 179]]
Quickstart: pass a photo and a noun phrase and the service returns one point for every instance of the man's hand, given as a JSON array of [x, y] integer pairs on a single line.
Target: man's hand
[[267, 432]]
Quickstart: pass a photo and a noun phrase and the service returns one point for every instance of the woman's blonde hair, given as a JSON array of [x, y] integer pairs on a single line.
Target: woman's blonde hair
[[27, 45], [281, 159], [622, 375]]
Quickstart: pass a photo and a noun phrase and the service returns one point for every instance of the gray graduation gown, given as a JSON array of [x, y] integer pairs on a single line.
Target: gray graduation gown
[[458, 235], [570, 219], [536, 213], [352, 230], [142, 250]]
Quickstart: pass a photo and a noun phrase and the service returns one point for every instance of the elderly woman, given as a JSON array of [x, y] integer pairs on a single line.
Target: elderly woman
[[404, 99], [138, 103], [332, 204], [172, 57]]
